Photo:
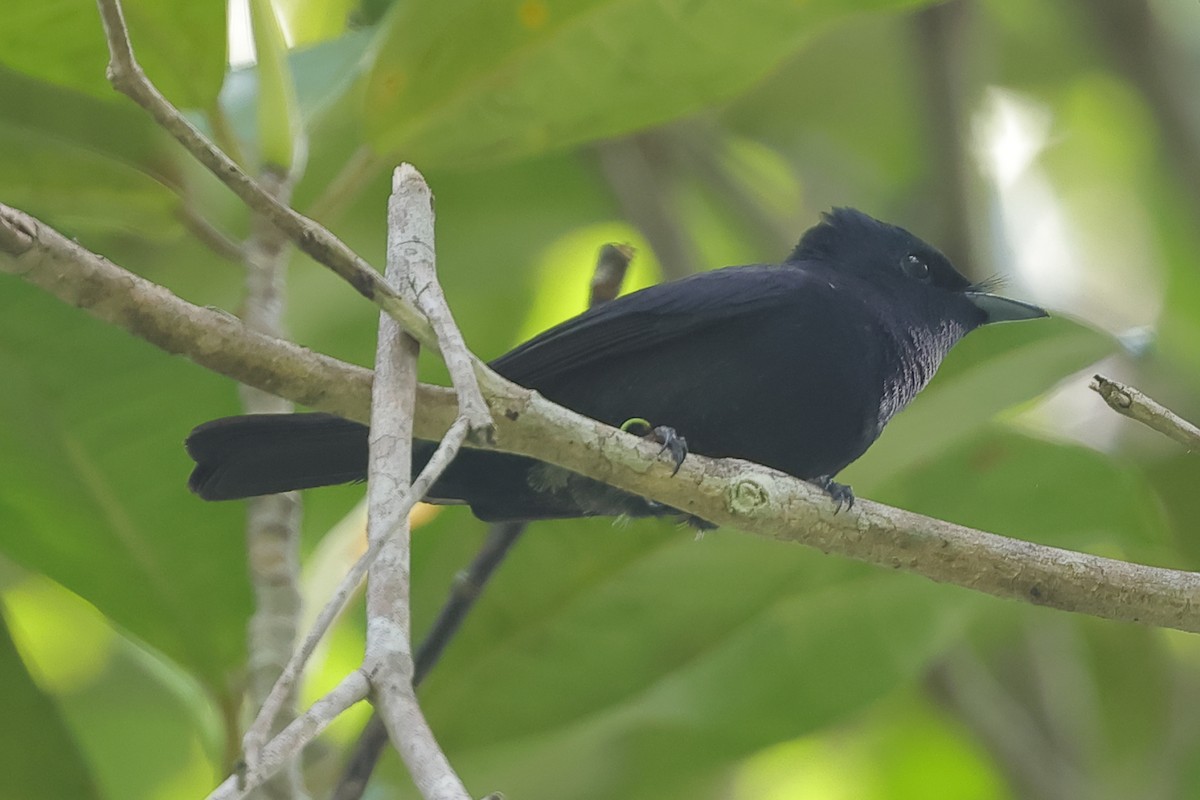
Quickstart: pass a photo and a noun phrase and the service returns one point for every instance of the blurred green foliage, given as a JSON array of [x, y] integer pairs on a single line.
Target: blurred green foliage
[[1057, 140]]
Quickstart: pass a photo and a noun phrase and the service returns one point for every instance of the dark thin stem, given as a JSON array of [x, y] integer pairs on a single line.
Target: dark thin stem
[[468, 586], [611, 266]]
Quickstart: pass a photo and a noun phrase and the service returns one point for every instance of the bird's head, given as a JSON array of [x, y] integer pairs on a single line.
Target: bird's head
[[855, 242]]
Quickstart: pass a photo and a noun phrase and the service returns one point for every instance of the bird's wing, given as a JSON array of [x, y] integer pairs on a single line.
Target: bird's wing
[[654, 316]]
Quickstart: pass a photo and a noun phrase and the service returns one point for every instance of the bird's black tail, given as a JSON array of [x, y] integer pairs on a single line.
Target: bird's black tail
[[259, 454]]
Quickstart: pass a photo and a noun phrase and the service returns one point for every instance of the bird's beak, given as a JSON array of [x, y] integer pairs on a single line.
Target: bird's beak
[[1002, 309]]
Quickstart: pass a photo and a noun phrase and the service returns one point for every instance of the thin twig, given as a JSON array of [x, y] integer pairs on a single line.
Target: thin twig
[[727, 492], [292, 739], [258, 733], [468, 586], [1132, 403], [310, 237]]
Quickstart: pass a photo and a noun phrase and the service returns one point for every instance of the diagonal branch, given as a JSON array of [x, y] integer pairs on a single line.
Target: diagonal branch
[[257, 735], [1130, 402], [309, 236], [611, 265], [292, 739], [727, 492]]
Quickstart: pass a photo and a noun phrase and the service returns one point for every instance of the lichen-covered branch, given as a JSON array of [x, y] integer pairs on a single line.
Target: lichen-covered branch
[[310, 237], [727, 492], [388, 661]]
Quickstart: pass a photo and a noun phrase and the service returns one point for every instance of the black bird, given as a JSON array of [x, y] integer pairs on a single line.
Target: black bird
[[797, 366]]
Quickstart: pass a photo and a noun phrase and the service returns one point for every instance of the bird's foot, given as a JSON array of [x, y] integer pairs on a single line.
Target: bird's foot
[[841, 494], [671, 443], [670, 440]]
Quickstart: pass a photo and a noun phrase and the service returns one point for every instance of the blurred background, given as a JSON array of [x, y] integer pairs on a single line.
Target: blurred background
[[1054, 142]]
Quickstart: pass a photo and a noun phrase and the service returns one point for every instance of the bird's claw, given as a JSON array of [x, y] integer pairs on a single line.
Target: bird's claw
[[671, 441], [841, 494]]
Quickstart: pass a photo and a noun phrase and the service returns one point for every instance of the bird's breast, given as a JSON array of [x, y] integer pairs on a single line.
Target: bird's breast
[[916, 352]]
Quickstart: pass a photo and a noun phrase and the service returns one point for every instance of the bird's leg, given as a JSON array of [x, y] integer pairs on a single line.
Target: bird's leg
[[840, 493], [671, 441]]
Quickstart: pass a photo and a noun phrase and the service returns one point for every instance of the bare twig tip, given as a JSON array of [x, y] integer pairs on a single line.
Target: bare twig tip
[[407, 178], [1134, 404]]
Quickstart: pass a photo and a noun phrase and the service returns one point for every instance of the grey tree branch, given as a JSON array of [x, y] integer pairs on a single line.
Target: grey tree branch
[[612, 262], [258, 733], [1131, 403], [292, 739], [727, 492], [411, 226], [388, 661], [420, 277], [272, 522], [312, 238]]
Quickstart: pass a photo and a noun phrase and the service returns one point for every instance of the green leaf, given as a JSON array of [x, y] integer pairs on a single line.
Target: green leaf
[[179, 43], [889, 755], [92, 485], [83, 164], [993, 369], [470, 81], [281, 140], [311, 21], [1058, 494], [38, 755], [643, 645]]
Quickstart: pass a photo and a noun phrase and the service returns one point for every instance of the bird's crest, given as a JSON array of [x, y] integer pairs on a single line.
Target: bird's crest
[[840, 230]]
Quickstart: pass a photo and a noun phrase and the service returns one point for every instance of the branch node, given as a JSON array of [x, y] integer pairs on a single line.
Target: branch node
[[748, 497]]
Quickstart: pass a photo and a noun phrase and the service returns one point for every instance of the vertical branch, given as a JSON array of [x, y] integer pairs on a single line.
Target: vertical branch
[[273, 522], [389, 661], [611, 265]]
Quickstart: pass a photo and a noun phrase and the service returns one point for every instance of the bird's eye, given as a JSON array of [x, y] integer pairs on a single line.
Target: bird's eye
[[916, 268]]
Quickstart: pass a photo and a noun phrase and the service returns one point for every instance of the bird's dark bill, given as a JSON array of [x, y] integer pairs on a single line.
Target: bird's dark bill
[[1003, 309]]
